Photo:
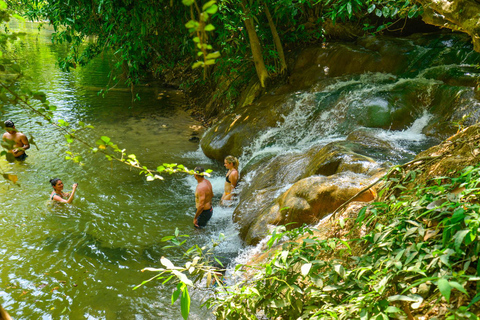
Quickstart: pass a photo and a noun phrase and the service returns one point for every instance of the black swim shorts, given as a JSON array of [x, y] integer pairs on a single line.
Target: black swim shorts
[[204, 217], [22, 157]]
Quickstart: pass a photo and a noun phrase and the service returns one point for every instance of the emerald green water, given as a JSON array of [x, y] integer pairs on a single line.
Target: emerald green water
[[81, 261]]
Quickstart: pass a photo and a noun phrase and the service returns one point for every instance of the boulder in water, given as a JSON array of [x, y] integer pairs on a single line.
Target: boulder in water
[[308, 201]]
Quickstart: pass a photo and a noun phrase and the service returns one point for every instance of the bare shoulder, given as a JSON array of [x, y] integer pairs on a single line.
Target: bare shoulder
[[204, 186], [208, 184]]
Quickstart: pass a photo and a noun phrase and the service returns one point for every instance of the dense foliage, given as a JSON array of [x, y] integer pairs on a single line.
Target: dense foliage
[[417, 255], [13, 93], [155, 35]]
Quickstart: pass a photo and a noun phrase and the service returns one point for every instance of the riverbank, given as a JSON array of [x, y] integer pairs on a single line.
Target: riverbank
[[411, 253], [333, 129]]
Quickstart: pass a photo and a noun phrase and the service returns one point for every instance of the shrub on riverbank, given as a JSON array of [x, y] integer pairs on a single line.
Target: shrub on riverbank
[[418, 256]]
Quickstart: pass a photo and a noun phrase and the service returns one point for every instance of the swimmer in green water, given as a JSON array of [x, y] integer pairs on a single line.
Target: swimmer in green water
[[58, 194]]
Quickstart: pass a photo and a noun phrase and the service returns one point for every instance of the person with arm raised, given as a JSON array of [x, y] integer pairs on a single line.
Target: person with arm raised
[[58, 194]]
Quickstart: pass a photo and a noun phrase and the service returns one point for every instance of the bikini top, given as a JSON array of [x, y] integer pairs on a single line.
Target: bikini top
[[228, 176], [56, 194]]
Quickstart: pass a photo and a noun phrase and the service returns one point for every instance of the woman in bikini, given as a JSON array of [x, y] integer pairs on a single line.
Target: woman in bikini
[[231, 179], [58, 194]]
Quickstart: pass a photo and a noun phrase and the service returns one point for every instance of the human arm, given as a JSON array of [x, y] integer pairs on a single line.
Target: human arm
[[200, 197], [70, 195], [24, 142], [234, 179]]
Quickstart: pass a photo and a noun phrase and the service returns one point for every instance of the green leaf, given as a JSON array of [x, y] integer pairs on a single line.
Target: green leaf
[[386, 12], [340, 270], [378, 12], [105, 139], [459, 236], [62, 123], [209, 62], [185, 303], [330, 288], [212, 10], [213, 55], [392, 309], [399, 297], [371, 8], [306, 268], [411, 13], [192, 24], [458, 286], [361, 215], [208, 5], [188, 2], [197, 64], [445, 288], [474, 300], [349, 9], [209, 27]]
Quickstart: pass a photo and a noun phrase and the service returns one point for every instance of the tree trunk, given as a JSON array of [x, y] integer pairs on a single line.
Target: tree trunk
[[276, 39], [255, 47]]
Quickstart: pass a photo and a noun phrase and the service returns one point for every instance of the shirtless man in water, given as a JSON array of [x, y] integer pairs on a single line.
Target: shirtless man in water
[[203, 199], [19, 142]]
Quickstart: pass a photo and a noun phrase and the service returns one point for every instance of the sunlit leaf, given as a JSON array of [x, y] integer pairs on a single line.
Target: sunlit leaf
[[306, 268], [167, 263], [209, 27], [185, 303]]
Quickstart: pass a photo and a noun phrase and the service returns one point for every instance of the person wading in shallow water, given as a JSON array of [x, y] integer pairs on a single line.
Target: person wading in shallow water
[[231, 179], [19, 142], [58, 194], [203, 199]]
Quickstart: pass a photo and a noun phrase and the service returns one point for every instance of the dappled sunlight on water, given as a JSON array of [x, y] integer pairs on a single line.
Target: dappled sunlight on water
[[81, 261]]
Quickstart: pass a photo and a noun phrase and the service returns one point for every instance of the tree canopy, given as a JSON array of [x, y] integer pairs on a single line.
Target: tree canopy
[[155, 35]]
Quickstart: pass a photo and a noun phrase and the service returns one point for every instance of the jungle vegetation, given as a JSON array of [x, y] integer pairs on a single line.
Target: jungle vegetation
[[397, 263], [250, 36]]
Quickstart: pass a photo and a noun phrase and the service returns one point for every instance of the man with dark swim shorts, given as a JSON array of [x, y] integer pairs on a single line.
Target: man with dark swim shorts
[[16, 141], [203, 199]]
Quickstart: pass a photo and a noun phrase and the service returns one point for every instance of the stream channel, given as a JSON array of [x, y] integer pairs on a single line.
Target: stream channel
[[81, 261]]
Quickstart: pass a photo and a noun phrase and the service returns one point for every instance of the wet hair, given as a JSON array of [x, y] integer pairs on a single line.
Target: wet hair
[[233, 160], [9, 124], [199, 171], [54, 181]]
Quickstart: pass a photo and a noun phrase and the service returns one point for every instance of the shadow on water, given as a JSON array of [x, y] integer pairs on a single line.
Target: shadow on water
[[89, 246]]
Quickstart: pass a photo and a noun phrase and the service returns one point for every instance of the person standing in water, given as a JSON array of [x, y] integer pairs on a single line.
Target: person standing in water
[[58, 194], [203, 199], [231, 179], [19, 142]]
